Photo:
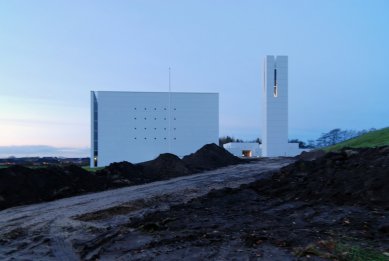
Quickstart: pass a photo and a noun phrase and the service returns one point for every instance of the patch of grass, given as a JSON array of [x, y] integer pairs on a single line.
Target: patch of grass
[[372, 139], [92, 169], [340, 251], [354, 253]]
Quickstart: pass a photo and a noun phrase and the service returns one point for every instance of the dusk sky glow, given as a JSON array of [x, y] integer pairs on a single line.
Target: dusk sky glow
[[53, 53]]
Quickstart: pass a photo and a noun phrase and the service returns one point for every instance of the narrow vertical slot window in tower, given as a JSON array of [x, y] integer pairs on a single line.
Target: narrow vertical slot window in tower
[[95, 132], [275, 91]]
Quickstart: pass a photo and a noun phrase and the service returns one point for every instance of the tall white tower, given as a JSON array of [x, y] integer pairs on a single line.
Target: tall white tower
[[275, 107]]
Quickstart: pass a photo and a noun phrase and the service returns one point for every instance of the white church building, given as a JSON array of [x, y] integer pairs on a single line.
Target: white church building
[[138, 126], [274, 108]]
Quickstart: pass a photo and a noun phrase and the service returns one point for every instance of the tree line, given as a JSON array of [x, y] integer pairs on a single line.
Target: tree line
[[335, 136]]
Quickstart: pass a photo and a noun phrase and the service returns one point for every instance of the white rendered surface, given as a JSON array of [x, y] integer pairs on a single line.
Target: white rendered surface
[[138, 126], [275, 107], [236, 148]]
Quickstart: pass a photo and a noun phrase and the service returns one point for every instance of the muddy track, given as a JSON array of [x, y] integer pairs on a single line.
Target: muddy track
[[79, 227]]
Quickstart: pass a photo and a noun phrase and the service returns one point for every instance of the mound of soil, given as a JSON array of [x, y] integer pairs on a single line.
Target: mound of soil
[[319, 209], [209, 157], [122, 169], [311, 155], [351, 176], [165, 166], [21, 185], [244, 224], [120, 174]]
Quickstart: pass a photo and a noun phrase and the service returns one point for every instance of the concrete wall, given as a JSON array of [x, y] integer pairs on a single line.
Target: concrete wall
[[275, 107], [138, 126], [294, 150], [236, 148]]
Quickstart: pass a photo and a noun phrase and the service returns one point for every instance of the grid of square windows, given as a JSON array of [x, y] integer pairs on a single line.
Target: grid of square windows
[[139, 132]]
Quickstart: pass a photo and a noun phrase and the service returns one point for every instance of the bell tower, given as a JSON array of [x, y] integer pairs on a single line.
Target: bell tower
[[275, 106]]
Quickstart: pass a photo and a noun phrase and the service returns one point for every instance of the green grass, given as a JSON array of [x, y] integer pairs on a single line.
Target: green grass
[[372, 139], [353, 253], [92, 169], [332, 250]]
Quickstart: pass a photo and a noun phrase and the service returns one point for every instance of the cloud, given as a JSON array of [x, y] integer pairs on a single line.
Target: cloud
[[42, 151]]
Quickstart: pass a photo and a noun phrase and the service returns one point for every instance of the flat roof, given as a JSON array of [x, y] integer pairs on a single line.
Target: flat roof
[[160, 92]]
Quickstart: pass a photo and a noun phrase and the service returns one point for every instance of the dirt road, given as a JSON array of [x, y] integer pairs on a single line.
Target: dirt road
[[79, 227]]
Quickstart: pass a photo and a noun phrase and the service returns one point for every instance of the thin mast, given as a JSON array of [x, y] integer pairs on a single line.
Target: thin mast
[[170, 112]]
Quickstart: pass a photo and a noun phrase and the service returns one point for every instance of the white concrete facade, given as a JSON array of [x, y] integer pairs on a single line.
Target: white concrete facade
[[138, 126], [244, 149], [275, 109]]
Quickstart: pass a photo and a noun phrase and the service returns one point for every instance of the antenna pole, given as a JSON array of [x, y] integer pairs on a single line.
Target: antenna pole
[[170, 80], [170, 112]]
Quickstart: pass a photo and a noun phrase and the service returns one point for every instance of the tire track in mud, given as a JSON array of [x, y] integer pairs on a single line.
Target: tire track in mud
[[61, 248]]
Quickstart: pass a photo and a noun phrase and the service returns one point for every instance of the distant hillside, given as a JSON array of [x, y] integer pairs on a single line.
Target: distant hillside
[[43, 161], [372, 139]]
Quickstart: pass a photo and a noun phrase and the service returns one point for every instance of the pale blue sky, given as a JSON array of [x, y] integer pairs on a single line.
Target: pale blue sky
[[52, 53]]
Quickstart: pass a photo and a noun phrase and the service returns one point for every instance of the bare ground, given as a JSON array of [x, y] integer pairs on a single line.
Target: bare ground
[[84, 227], [241, 212]]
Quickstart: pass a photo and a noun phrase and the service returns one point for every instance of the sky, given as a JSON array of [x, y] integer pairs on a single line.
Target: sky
[[53, 53]]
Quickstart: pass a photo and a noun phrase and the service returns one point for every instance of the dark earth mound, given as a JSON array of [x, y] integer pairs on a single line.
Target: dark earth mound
[[242, 224], [119, 174], [21, 185], [165, 166], [209, 157], [332, 208], [351, 176], [311, 155]]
